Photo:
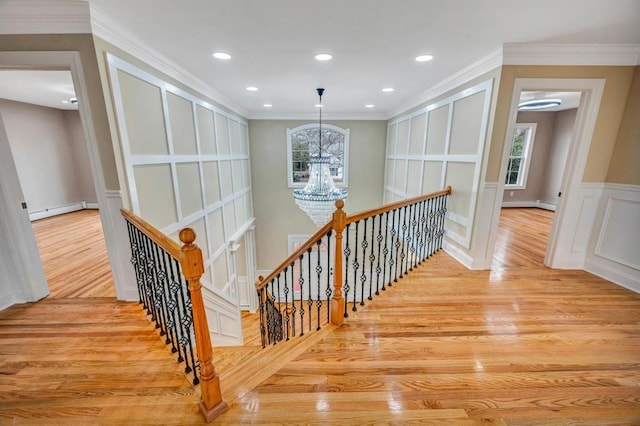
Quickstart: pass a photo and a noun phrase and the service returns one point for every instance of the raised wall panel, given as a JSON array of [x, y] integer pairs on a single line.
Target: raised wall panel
[[416, 146], [432, 176], [401, 175], [619, 238], [220, 271], [216, 230], [403, 138], [467, 122], [211, 182], [183, 134], [237, 175], [201, 236], [244, 139], [229, 218], [143, 114], [392, 134], [222, 133], [206, 131], [414, 178], [390, 172], [157, 207], [234, 137], [189, 186], [226, 178], [437, 130], [460, 177], [246, 174]]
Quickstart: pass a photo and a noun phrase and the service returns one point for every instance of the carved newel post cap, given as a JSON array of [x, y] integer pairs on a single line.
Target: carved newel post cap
[[187, 236], [339, 204]]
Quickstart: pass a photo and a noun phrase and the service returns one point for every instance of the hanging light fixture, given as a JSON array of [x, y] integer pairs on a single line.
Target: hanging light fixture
[[317, 198]]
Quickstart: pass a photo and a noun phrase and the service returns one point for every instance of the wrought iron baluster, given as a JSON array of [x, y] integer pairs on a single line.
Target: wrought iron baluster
[[379, 238], [356, 266], [329, 290], [287, 320], [293, 298], [396, 245], [187, 324], [372, 257], [364, 244], [170, 302], [402, 240], [347, 253], [300, 283], [149, 279], [431, 230], [318, 273], [421, 222], [174, 274], [261, 309], [413, 246], [385, 252], [134, 255], [160, 289], [277, 296], [442, 219], [310, 299]]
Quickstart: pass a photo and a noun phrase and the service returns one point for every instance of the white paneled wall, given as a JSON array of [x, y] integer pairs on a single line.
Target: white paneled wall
[[187, 165], [439, 145]]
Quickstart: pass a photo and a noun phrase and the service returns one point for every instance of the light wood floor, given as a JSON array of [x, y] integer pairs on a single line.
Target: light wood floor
[[74, 255], [519, 345]]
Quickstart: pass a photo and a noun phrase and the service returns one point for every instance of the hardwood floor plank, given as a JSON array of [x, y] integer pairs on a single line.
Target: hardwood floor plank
[[74, 255]]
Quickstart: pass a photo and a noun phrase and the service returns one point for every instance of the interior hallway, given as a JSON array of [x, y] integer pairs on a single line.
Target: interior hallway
[[525, 346]]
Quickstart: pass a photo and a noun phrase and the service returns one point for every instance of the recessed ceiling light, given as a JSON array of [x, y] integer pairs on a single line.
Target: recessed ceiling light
[[323, 57], [221, 55], [252, 88], [318, 105], [388, 89], [369, 105], [267, 105], [65, 102], [424, 58], [539, 104]]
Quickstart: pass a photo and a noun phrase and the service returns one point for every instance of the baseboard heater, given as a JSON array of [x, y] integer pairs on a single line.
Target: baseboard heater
[[54, 211]]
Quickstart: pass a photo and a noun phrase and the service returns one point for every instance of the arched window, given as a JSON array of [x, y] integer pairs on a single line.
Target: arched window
[[302, 142]]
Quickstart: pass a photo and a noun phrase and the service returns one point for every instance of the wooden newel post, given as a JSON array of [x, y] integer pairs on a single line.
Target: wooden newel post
[[211, 404], [337, 301]]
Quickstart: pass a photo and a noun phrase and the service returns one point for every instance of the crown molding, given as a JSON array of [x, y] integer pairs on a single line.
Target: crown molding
[[103, 27], [44, 17], [476, 69], [571, 54], [311, 116]]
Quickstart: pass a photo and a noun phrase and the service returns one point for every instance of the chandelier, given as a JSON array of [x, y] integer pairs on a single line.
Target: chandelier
[[318, 197]]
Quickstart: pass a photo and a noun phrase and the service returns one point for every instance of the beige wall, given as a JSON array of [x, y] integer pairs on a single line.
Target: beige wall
[[563, 131], [625, 162], [82, 43], [618, 80], [276, 212], [52, 163]]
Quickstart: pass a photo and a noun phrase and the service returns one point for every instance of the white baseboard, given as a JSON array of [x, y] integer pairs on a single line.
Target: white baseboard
[[535, 204], [10, 298], [611, 271], [54, 211], [464, 258]]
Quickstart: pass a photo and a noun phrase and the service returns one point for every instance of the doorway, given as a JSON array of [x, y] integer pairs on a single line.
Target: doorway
[[543, 131], [45, 141], [568, 237]]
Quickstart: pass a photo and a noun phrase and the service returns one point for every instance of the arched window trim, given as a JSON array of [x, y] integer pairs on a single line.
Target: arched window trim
[[345, 155]]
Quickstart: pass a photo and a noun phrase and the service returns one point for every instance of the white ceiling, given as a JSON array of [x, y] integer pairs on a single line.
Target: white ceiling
[[53, 89], [373, 43]]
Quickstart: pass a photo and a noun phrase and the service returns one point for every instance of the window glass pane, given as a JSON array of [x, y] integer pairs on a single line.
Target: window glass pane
[[304, 144], [517, 148]]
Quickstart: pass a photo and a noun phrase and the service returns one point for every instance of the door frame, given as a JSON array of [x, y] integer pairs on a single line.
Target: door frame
[[109, 201], [560, 253]]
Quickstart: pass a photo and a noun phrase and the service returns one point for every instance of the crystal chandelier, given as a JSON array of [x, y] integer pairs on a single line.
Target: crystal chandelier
[[318, 197]]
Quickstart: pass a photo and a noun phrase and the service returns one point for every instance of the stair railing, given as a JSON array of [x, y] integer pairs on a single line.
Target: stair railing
[[316, 285], [168, 279]]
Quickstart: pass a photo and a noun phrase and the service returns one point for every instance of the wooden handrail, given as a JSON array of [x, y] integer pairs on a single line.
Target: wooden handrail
[[392, 206], [189, 255], [152, 232], [262, 281]]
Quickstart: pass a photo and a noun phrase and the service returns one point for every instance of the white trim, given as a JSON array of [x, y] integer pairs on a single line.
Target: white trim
[[561, 252], [10, 298], [44, 17], [102, 26], [529, 204], [476, 69], [627, 278], [571, 54], [113, 234], [54, 211]]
